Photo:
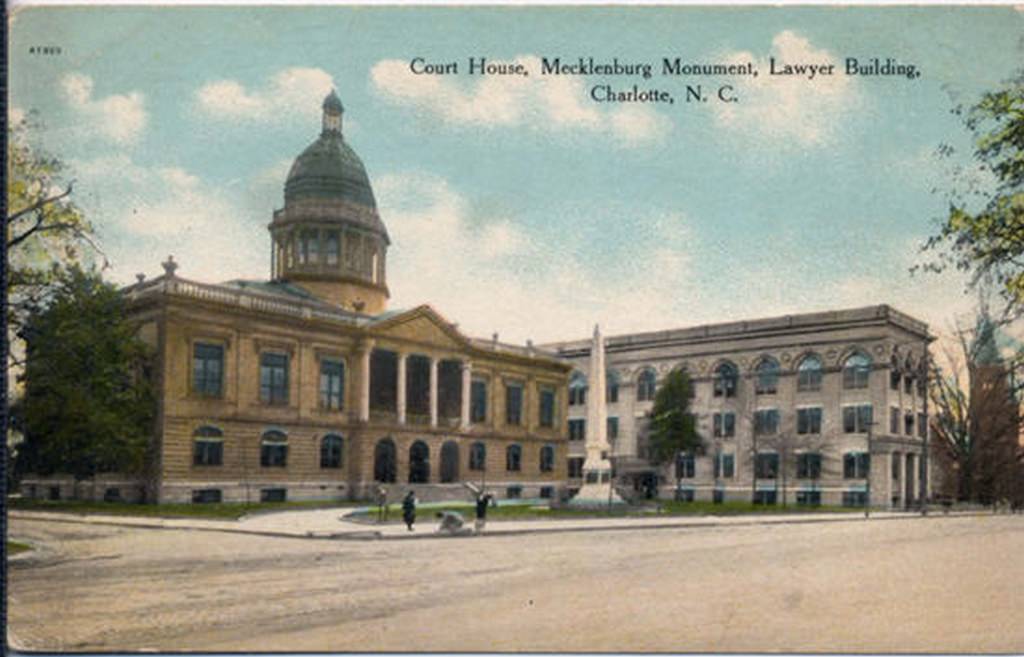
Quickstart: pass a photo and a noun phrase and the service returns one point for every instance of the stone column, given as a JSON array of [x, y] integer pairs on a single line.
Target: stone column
[[433, 391], [910, 471], [401, 388], [364, 349], [467, 383]]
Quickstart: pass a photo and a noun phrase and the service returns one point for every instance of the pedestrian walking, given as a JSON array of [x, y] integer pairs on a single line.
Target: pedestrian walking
[[409, 509], [482, 501], [382, 504]]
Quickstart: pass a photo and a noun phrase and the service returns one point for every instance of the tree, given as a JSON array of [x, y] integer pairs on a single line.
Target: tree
[[984, 228], [976, 419], [88, 406], [673, 428], [45, 229]]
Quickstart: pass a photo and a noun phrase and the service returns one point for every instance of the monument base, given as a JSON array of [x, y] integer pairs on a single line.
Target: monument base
[[596, 495]]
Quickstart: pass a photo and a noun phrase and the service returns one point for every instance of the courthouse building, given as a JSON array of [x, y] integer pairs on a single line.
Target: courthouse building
[[307, 386], [821, 408]]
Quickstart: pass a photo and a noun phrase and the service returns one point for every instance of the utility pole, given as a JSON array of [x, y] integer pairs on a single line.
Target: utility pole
[[867, 502]]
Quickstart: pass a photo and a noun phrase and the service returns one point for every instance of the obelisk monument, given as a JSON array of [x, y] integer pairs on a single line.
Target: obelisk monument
[[597, 469]]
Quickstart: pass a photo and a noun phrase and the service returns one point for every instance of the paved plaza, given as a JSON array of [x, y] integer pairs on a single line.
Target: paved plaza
[[889, 584]]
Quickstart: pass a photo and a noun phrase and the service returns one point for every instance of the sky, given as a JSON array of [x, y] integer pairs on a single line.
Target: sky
[[517, 204]]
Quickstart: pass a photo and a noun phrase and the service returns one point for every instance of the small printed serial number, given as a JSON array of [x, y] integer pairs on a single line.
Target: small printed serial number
[[44, 50]]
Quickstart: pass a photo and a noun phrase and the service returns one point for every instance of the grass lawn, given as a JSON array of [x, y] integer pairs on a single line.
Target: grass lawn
[[224, 511], [14, 547], [536, 509]]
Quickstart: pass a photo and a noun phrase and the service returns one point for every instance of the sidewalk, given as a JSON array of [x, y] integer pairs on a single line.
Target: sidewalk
[[331, 523]]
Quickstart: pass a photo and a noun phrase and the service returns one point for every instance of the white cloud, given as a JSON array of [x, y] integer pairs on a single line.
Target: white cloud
[[789, 110], [144, 214], [543, 103], [492, 274], [283, 96], [119, 118]]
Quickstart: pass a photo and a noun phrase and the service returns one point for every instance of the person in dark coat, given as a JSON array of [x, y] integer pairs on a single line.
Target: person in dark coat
[[482, 501], [409, 509]]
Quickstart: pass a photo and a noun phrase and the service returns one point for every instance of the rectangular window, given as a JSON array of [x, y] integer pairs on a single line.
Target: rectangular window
[[894, 420], [513, 403], [547, 407], [857, 419], [808, 498], [808, 420], [514, 492], [808, 466], [894, 379], [908, 384], [855, 498], [332, 384], [332, 247], [577, 429], [724, 425], [766, 466], [575, 468], [725, 466], [547, 492], [513, 458], [908, 424], [208, 452], [310, 247], [895, 467], [274, 378], [207, 369], [613, 428], [478, 401], [766, 422], [922, 425], [206, 496], [765, 497], [684, 495], [686, 466], [273, 495], [856, 465]]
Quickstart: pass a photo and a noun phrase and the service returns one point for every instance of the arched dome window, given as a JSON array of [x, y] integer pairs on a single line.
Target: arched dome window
[[578, 389], [767, 377], [856, 371], [726, 380], [646, 384], [808, 374]]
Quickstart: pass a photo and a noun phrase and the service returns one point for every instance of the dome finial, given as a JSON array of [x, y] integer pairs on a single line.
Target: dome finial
[[333, 110]]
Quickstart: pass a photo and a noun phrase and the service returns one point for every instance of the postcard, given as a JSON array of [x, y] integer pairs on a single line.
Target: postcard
[[515, 328]]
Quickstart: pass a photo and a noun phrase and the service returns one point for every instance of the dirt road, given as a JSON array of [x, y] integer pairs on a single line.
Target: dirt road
[[922, 585]]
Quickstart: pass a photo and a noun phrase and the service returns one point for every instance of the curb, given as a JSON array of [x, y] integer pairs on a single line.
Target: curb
[[371, 535]]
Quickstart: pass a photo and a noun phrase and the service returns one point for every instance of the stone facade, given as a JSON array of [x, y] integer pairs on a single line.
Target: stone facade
[[182, 316], [869, 357]]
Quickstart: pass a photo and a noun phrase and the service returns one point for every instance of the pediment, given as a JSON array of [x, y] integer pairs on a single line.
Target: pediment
[[421, 325]]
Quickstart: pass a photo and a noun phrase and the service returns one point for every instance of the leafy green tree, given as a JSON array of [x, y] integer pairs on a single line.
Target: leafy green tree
[[673, 428], [983, 232], [88, 405], [44, 229]]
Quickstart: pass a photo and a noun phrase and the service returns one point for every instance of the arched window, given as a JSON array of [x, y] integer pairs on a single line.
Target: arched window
[[419, 463], [384, 461], [477, 456], [856, 370], [577, 389], [767, 377], [612, 386], [330, 451], [646, 385], [725, 380], [547, 458], [208, 446], [808, 374], [513, 458], [274, 450], [449, 462]]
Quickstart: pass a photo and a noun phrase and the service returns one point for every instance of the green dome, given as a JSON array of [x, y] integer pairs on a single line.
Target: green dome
[[329, 168]]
